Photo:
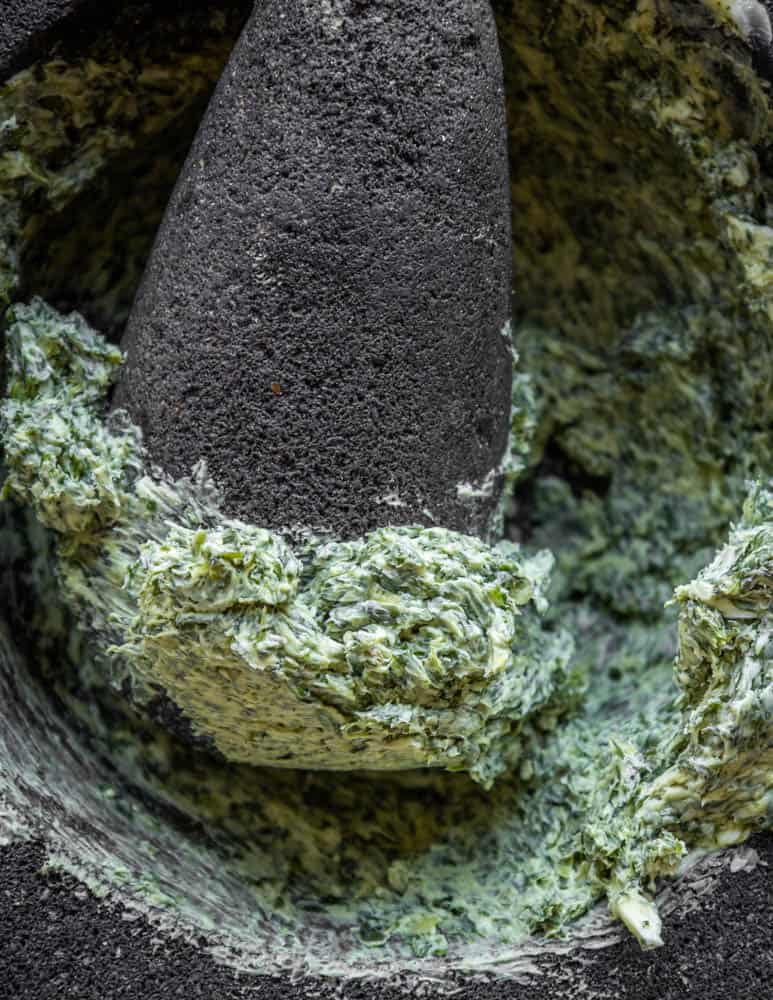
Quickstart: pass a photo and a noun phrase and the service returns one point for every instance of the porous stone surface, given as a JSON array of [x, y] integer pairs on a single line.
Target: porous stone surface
[[27, 26], [37, 29], [321, 317], [58, 940]]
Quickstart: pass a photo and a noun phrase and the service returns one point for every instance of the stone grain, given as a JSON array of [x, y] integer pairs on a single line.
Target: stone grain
[[58, 940], [321, 315]]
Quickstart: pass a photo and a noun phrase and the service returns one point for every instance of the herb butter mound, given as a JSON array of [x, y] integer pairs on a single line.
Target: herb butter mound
[[706, 780], [407, 648], [720, 786]]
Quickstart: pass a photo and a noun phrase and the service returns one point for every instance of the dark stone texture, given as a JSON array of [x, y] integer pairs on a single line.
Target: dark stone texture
[[59, 941], [27, 28], [320, 318], [33, 29]]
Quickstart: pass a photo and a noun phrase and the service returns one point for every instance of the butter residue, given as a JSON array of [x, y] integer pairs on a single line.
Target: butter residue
[[415, 646], [411, 647], [642, 188]]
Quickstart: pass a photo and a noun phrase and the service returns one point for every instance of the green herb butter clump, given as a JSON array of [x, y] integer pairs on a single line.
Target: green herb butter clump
[[70, 474], [712, 780], [408, 648], [643, 213], [720, 787]]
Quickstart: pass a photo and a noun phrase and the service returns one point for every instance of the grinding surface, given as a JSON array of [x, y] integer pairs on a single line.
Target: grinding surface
[[33, 29], [58, 940], [321, 317], [27, 26]]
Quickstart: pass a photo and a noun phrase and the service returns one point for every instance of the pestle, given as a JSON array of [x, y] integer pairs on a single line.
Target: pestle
[[321, 317], [324, 320]]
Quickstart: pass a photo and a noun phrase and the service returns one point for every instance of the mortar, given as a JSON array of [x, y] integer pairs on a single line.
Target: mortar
[[587, 474]]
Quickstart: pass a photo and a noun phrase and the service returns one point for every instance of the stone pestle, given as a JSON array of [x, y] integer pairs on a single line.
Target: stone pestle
[[323, 317]]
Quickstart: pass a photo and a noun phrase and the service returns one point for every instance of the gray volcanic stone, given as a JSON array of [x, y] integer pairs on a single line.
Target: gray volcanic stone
[[27, 25], [35, 29], [321, 315], [59, 941]]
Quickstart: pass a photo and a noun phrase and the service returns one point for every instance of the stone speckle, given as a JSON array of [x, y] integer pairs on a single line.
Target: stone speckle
[[27, 25], [58, 940], [340, 231]]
